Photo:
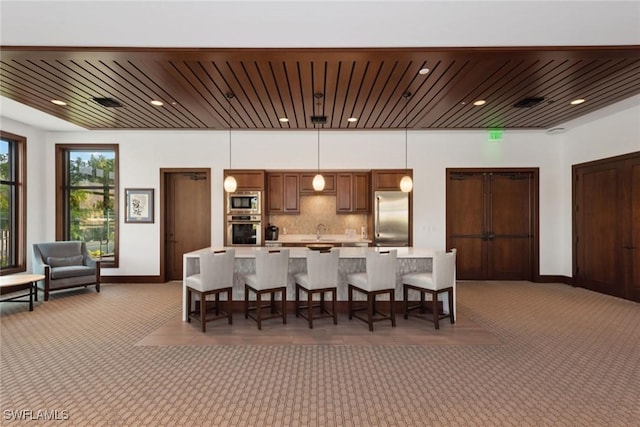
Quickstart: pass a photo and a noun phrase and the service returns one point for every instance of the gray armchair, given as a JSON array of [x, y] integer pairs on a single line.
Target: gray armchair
[[65, 265]]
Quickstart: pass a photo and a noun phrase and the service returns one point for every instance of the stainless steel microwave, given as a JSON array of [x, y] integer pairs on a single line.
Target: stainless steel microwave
[[244, 202]]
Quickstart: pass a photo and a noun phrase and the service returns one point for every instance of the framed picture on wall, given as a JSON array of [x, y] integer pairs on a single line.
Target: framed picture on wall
[[139, 205]]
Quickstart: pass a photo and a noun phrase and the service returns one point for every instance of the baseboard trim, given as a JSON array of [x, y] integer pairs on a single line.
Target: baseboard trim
[[555, 279]]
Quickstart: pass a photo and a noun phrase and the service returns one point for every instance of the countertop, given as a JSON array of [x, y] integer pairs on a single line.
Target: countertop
[[312, 238], [345, 252]]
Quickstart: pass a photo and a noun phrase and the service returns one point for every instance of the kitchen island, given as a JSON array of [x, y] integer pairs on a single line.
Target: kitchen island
[[352, 260]]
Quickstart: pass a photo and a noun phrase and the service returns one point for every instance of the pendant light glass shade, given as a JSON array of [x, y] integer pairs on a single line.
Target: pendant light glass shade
[[406, 183], [230, 184], [318, 180]]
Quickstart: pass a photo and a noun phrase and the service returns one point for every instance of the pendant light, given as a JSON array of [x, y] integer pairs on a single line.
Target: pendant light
[[230, 183], [406, 183], [318, 180]]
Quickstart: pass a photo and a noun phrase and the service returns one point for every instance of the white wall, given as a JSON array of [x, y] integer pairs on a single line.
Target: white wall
[[143, 153], [323, 23]]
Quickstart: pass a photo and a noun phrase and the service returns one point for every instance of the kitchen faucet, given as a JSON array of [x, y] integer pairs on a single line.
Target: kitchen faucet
[[319, 229]]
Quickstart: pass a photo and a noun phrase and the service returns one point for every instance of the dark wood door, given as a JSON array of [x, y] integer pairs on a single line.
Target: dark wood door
[[607, 226], [187, 217], [491, 220], [632, 245]]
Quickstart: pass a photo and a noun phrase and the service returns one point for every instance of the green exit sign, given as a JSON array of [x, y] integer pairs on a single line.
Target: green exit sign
[[495, 135]]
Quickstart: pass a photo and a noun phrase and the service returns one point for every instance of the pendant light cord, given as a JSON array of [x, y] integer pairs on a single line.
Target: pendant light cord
[[318, 150], [406, 128], [229, 96]]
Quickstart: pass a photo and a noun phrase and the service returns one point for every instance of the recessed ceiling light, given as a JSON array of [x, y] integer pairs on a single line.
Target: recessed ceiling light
[[352, 119], [58, 102], [577, 101], [479, 102], [423, 71], [156, 103], [283, 119]]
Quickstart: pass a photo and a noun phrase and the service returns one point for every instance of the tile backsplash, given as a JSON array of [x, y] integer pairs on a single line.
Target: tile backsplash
[[314, 210]]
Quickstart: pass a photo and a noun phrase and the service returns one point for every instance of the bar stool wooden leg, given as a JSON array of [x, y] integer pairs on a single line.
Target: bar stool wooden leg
[[188, 305], [309, 308], [436, 314], [333, 305], [283, 292], [392, 308]]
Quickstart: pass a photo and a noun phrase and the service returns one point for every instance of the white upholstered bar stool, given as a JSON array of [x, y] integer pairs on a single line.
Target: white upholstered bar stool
[[215, 278], [321, 278], [272, 269], [441, 279], [379, 279]]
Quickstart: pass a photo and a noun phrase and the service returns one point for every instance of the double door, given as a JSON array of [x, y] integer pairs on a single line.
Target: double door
[[491, 220]]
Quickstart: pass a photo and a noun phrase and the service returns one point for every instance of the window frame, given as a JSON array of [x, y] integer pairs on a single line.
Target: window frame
[[61, 189], [19, 213]]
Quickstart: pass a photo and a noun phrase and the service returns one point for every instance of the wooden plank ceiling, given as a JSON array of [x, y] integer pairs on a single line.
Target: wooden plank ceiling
[[368, 84]]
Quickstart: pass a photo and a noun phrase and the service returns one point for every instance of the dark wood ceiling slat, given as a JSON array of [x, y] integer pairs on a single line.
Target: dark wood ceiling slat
[[25, 75], [364, 82], [136, 103], [171, 110]]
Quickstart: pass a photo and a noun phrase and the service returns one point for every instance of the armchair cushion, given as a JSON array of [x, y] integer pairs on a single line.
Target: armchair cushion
[[71, 271], [65, 261]]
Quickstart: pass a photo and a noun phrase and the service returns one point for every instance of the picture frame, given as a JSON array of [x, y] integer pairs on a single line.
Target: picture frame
[[139, 205]]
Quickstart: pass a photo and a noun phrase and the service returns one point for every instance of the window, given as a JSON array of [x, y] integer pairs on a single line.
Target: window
[[87, 199], [13, 191]]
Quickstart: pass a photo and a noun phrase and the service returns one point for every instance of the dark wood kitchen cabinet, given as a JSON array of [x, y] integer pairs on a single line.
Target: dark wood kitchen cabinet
[[306, 183], [248, 180], [388, 179], [352, 192], [283, 193]]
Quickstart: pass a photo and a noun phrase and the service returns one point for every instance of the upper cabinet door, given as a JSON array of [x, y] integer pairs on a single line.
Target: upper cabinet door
[[283, 193], [248, 180], [388, 179], [352, 192], [344, 192], [361, 192], [306, 183]]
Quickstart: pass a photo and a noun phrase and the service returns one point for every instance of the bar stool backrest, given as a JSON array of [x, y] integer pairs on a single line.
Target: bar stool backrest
[[444, 269], [216, 269], [322, 268], [272, 268], [381, 269]]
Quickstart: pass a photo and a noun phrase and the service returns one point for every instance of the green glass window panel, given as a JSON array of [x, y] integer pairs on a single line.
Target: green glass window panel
[[6, 221], [90, 169], [4, 161], [92, 220]]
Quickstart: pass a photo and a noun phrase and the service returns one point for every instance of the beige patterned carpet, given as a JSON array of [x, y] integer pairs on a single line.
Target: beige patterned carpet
[[522, 354]]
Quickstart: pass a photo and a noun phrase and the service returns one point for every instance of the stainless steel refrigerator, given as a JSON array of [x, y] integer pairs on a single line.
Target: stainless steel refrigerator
[[391, 218]]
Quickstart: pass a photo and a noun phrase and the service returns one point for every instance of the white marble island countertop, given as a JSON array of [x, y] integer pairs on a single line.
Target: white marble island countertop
[[345, 252]]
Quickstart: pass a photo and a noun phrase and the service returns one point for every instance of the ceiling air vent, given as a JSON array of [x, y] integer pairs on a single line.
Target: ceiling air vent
[[529, 102], [319, 119], [107, 102]]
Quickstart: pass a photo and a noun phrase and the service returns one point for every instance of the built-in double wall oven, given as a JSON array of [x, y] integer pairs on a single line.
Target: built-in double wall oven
[[244, 230], [244, 219]]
